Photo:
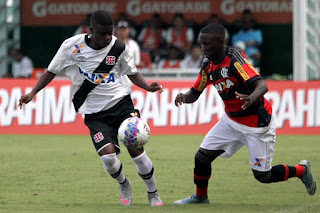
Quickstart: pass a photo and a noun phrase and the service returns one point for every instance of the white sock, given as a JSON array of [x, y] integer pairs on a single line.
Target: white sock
[[145, 170], [113, 166]]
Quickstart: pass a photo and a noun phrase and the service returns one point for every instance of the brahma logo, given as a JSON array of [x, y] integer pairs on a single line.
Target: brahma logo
[[98, 78], [223, 85], [110, 60]]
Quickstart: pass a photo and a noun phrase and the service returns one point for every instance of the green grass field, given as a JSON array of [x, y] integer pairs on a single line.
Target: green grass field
[[63, 174]]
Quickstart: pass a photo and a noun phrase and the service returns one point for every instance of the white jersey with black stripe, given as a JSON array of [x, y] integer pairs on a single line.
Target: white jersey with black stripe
[[78, 62]]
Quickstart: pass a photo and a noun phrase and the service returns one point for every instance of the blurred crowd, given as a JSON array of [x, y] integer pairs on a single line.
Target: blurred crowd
[[159, 45], [156, 44]]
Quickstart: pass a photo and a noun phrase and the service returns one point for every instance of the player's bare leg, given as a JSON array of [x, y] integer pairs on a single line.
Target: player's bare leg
[[283, 172], [146, 172], [114, 167], [202, 174]]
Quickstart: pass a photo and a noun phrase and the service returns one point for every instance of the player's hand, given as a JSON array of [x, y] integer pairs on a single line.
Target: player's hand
[[155, 86], [25, 99], [180, 99], [246, 98]]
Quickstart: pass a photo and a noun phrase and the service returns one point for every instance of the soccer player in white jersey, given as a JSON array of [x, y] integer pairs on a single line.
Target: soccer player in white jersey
[[95, 62]]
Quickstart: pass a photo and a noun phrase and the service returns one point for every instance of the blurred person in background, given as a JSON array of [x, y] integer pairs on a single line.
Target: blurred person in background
[[173, 60], [123, 33], [133, 27], [248, 38], [84, 27], [180, 35], [193, 59], [22, 65], [94, 62], [145, 61], [151, 36]]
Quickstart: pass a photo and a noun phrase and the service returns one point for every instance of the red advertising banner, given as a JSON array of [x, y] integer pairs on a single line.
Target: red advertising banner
[[72, 12], [295, 104]]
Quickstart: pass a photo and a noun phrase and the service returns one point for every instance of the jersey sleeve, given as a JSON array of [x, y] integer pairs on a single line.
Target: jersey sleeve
[[245, 70], [127, 63], [62, 58], [203, 79]]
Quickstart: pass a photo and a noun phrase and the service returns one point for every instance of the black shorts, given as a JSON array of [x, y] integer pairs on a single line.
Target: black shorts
[[104, 125]]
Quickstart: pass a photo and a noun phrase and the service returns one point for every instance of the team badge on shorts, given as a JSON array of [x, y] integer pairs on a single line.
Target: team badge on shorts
[[98, 137], [258, 162]]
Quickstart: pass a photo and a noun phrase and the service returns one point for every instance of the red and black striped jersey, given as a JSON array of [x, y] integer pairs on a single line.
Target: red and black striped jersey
[[235, 73]]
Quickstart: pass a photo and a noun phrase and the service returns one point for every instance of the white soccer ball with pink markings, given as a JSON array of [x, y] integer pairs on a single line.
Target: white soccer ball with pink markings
[[134, 132]]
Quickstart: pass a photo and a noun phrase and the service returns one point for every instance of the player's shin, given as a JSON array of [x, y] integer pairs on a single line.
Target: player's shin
[[146, 172], [113, 166], [202, 173], [279, 173]]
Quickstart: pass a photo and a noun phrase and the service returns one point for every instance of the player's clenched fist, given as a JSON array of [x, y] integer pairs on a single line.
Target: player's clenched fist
[[155, 86], [25, 99], [180, 99]]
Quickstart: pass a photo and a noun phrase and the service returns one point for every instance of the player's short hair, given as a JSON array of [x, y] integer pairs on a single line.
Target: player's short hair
[[214, 29], [101, 17]]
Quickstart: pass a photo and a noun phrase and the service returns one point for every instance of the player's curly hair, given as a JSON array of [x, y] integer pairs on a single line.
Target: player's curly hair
[[101, 17], [214, 29]]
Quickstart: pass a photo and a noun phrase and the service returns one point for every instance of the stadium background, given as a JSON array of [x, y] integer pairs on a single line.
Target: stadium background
[[43, 25], [47, 31]]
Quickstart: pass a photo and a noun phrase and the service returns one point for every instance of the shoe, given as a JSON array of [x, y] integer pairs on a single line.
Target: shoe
[[307, 178], [125, 193], [192, 199], [154, 199]]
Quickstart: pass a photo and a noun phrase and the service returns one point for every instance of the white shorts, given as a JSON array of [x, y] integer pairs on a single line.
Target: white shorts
[[230, 136]]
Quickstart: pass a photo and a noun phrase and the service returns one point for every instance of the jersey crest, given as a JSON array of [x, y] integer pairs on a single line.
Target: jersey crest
[[110, 60]]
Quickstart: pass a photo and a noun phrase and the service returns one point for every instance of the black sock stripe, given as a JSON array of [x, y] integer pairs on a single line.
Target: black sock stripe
[[147, 176], [117, 173]]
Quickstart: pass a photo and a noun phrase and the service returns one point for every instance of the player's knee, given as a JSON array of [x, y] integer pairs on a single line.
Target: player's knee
[[202, 169], [262, 177], [109, 159], [202, 163], [112, 164]]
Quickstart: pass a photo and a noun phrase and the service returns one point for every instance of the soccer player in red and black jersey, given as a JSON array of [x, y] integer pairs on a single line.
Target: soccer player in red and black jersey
[[247, 121]]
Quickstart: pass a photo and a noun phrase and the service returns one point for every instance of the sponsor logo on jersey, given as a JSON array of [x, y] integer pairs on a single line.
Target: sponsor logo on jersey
[[110, 60], [203, 80], [77, 50], [98, 78], [82, 58], [224, 72], [251, 66], [98, 137], [258, 161], [242, 72], [223, 85]]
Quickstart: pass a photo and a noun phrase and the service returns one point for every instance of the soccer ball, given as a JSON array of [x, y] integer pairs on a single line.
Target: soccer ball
[[134, 132]]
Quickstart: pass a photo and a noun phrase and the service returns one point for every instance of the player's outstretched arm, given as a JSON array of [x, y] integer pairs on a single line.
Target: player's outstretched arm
[[43, 81], [260, 88], [188, 97], [139, 80]]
